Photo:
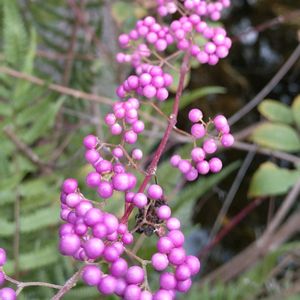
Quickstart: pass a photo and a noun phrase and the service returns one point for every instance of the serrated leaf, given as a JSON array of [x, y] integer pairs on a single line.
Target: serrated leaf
[[15, 37], [276, 136], [43, 123], [38, 220], [296, 110], [35, 259], [270, 180], [275, 111]]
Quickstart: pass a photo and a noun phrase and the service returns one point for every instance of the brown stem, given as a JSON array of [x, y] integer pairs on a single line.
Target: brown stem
[[172, 122], [68, 285], [55, 87], [230, 226]]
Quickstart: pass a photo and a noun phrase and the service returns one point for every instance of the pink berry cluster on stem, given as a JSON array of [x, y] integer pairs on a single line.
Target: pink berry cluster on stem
[[6, 293], [201, 161], [96, 237]]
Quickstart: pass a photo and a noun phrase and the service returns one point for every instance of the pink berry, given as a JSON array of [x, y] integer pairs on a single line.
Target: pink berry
[[91, 275], [215, 165], [159, 261], [198, 154], [155, 191], [195, 115], [220, 121], [107, 285], [69, 244], [184, 166], [203, 167], [90, 142], [175, 159], [135, 275], [93, 248], [210, 146], [2, 257], [198, 131], [227, 140], [140, 200], [164, 212]]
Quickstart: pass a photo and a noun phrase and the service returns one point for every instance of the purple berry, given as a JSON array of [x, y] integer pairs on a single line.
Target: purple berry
[[198, 131], [119, 268], [107, 285], [69, 244], [135, 275], [227, 140], [195, 115], [90, 142], [155, 192], [164, 212], [215, 165], [2, 257], [7, 294], [159, 261], [91, 275], [93, 248]]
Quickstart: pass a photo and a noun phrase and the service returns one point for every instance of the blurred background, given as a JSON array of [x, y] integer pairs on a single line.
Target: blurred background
[[57, 78]]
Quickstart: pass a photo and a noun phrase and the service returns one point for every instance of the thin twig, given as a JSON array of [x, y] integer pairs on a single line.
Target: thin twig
[[270, 240], [268, 88], [273, 153], [55, 87], [231, 194], [21, 285], [172, 122], [68, 285]]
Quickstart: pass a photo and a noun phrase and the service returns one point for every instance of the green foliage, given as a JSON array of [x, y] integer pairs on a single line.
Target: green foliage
[[278, 133], [248, 286], [14, 34], [296, 110], [270, 180], [277, 136], [275, 111]]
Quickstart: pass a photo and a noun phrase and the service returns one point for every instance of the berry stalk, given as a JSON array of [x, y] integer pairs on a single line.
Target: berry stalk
[[172, 123]]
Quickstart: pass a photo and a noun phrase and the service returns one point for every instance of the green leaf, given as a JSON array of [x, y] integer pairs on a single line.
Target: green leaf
[[270, 180], [43, 123], [188, 97], [35, 259], [15, 36], [38, 220], [276, 136], [275, 111], [296, 110]]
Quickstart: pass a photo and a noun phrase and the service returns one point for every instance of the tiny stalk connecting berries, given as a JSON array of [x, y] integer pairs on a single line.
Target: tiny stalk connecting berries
[[100, 239]]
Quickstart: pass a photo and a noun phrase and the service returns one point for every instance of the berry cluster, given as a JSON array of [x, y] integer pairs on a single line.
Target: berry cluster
[[6, 293], [110, 175], [152, 33], [124, 120], [150, 82], [199, 163], [214, 43], [190, 33], [93, 236], [203, 8], [89, 233]]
